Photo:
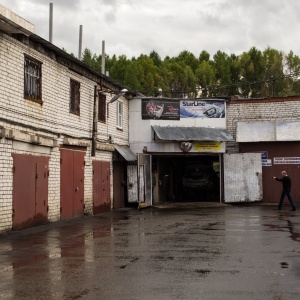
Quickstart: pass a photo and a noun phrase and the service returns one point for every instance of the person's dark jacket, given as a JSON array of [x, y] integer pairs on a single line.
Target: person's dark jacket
[[286, 182]]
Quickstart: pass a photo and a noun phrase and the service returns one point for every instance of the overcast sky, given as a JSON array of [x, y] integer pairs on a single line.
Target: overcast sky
[[134, 27]]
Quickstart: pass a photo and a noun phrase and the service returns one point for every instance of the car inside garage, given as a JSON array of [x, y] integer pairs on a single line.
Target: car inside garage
[[183, 178]]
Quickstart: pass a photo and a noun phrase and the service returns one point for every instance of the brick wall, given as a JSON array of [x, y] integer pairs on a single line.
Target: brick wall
[[51, 120], [6, 185], [279, 109]]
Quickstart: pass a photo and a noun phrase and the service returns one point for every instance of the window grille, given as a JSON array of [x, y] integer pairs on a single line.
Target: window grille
[[102, 108], [74, 97], [32, 79]]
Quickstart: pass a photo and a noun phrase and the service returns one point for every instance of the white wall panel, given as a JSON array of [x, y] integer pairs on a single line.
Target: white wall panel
[[255, 131], [288, 131], [242, 177]]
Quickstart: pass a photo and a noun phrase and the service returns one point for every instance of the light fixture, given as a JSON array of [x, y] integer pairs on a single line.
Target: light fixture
[[116, 97]]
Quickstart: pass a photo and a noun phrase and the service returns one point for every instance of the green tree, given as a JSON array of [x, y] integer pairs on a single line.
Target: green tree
[[206, 77], [155, 58], [204, 56], [188, 59], [254, 73], [89, 58], [146, 72], [273, 72], [119, 68], [179, 79], [251, 72], [222, 66], [292, 68]]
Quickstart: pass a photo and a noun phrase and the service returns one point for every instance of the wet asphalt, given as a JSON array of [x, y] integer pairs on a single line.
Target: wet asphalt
[[179, 251]]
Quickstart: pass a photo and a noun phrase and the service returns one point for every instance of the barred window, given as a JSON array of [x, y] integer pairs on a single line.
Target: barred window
[[32, 79], [74, 97], [119, 114], [102, 108]]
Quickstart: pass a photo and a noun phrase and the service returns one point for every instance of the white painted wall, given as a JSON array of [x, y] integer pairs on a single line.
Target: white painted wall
[[141, 133]]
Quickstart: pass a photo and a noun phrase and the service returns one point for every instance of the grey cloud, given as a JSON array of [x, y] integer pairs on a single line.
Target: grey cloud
[[70, 4], [133, 27], [110, 17]]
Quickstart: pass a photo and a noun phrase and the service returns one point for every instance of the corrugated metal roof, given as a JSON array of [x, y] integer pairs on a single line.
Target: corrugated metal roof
[[126, 153], [169, 133]]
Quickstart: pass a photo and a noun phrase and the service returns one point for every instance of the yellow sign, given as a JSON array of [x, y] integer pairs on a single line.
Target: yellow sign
[[208, 146]]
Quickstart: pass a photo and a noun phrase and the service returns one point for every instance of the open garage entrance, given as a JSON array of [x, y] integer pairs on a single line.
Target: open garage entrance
[[186, 178]]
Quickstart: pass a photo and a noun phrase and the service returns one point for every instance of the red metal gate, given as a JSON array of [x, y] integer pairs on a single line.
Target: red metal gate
[[30, 190], [41, 188], [101, 186], [271, 150], [71, 183]]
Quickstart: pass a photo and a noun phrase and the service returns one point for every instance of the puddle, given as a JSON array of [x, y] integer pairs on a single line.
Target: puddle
[[284, 265]]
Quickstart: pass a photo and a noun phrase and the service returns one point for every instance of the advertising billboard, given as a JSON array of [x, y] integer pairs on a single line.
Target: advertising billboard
[[196, 108]]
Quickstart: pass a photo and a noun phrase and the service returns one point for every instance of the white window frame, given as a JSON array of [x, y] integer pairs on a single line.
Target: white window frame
[[119, 114]]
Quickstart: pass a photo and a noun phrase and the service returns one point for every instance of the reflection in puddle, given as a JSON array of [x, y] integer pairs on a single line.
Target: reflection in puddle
[[289, 227]]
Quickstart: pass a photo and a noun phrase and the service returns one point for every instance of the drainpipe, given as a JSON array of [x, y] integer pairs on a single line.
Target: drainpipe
[[95, 122]]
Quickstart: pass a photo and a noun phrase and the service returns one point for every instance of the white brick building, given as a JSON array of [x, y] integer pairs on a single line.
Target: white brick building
[[54, 159]]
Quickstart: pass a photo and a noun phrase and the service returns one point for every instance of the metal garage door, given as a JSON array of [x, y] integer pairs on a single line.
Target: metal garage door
[[30, 190], [101, 186], [71, 183]]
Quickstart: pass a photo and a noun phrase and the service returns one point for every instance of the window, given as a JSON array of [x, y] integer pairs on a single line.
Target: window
[[74, 97], [102, 108], [32, 80], [119, 114]]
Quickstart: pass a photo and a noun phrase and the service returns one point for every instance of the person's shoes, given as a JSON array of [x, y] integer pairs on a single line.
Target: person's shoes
[[293, 209]]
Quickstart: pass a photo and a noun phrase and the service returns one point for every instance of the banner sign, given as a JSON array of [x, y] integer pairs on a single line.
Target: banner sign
[[265, 162], [208, 146], [160, 108], [286, 160], [202, 108]]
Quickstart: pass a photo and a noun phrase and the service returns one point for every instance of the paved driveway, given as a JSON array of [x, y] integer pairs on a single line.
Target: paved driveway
[[188, 251]]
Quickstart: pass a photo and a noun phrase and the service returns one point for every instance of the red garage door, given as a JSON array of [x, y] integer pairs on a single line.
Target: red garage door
[[71, 183], [30, 190], [101, 186]]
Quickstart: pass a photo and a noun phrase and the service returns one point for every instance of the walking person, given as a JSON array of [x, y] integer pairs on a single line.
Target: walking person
[[286, 190]]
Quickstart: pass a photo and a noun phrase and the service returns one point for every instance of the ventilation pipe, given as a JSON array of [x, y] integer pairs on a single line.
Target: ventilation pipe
[[51, 22], [103, 58], [80, 42]]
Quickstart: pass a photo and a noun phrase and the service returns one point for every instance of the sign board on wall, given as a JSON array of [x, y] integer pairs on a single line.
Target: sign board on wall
[[265, 162], [207, 146], [202, 108], [286, 160], [175, 109], [160, 108]]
